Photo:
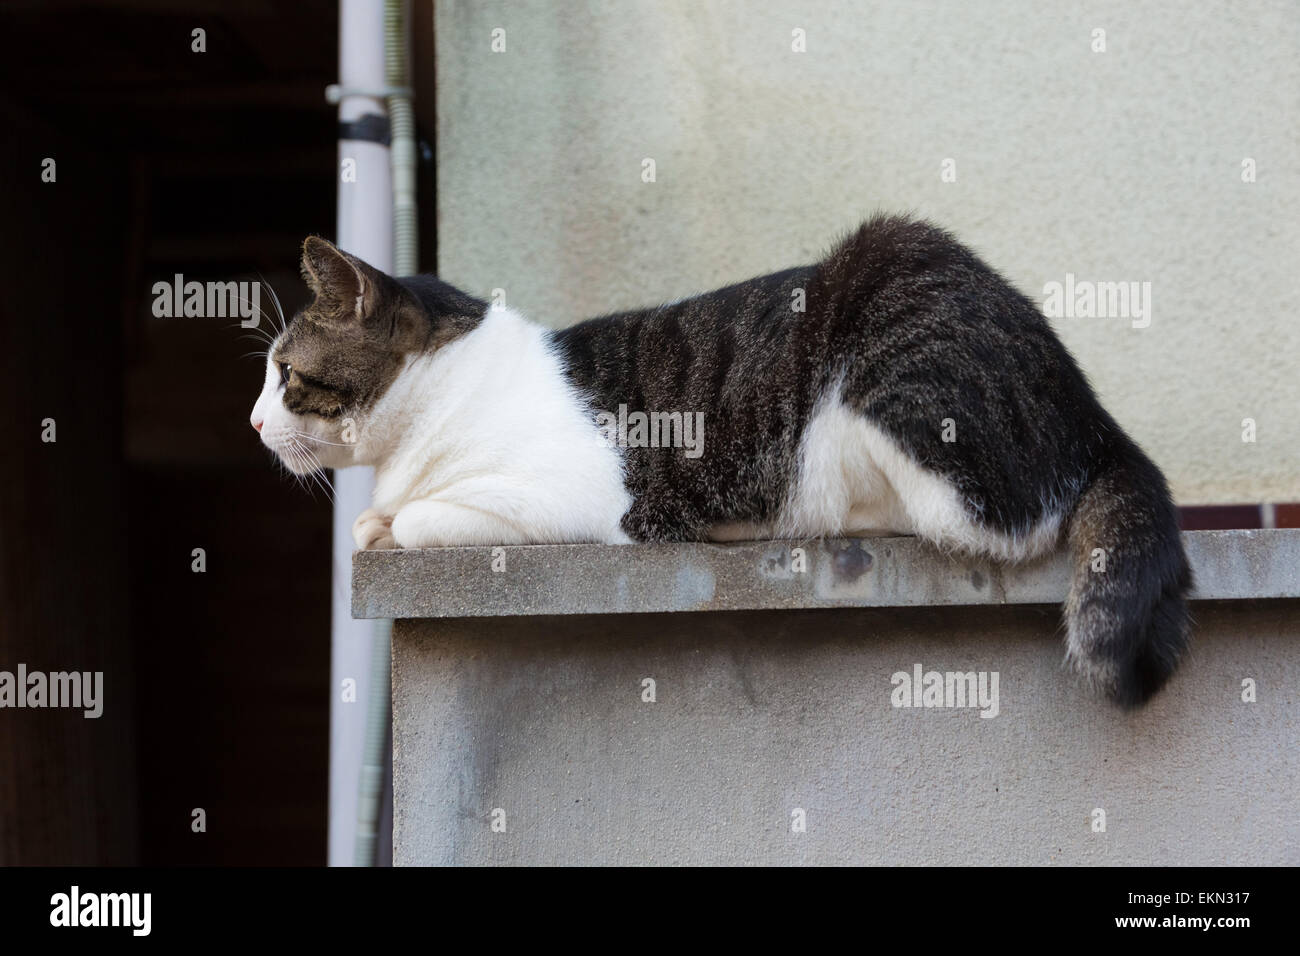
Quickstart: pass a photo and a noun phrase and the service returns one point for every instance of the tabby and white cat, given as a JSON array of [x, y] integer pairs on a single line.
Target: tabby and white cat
[[900, 385]]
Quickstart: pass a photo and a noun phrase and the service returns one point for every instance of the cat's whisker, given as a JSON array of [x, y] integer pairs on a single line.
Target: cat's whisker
[[296, 453], [306, 458], [302, 450], [258, 335], [304, 455], [325, 485], [275, 299], [278, 328], [262, 313], [322, 441]]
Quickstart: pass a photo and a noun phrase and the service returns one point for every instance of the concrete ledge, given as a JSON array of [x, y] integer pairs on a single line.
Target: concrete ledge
[[871, 572]]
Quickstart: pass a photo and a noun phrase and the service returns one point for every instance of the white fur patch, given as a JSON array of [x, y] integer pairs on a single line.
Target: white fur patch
[[855, 479], [486, 442]]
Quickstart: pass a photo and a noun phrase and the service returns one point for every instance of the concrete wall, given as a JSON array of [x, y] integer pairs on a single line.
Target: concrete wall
[[761, 713], [520, 697], [1123, 165]]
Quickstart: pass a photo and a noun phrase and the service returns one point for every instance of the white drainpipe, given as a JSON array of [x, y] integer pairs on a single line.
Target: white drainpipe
[[359, 649]]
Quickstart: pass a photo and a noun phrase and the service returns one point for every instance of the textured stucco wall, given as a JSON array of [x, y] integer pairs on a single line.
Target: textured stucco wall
[[758, 714], [1117, 166]]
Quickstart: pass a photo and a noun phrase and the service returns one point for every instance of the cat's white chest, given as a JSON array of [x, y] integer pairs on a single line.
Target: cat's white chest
[[492, 445]]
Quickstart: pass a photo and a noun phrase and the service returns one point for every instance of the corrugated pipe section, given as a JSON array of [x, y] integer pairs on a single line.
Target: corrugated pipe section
[[401, 118]]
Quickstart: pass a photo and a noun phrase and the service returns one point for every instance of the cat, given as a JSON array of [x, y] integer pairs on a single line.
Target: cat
[[898, 386]]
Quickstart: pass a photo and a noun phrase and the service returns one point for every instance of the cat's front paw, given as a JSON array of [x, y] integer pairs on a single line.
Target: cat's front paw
[[373, 531]]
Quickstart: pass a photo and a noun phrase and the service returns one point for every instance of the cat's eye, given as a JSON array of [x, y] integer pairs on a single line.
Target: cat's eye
[[285, 369]]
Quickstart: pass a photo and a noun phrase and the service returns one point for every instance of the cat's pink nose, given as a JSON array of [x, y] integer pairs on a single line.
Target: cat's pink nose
[[257, 424]]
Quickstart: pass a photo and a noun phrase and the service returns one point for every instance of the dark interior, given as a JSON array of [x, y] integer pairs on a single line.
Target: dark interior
[[214, 165]]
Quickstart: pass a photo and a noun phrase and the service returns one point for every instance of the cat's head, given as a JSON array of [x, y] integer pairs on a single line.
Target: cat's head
[[337, 357]]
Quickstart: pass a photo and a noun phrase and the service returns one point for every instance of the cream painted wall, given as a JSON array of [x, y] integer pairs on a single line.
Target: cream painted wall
[[1123, 165]]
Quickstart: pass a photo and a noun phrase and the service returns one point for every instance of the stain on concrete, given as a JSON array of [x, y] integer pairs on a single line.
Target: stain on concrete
[[998, 584], [851, 561], [694, 586], [774, 565]]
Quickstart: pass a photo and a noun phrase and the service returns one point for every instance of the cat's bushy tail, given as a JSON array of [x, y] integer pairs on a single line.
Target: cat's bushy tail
[[1126, 616]]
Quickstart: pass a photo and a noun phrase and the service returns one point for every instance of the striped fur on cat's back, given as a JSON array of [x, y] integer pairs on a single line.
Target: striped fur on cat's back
[[900, 385]]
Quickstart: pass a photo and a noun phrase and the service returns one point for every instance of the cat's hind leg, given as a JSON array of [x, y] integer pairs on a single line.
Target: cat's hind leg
[[855, 478]]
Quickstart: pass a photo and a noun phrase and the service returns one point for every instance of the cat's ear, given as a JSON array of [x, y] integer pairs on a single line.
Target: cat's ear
[[346, 288]]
